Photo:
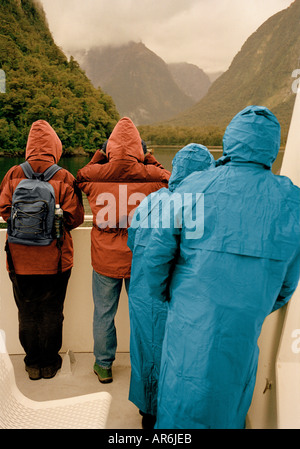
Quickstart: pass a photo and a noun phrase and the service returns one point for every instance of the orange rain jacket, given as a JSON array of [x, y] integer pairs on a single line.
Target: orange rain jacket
[[43, 149], [115, 185]]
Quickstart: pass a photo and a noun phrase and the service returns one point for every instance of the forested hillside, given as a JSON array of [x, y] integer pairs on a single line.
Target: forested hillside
[[42, 84]]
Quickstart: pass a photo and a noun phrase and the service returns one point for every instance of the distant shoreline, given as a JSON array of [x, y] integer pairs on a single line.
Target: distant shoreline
[[82, 153]]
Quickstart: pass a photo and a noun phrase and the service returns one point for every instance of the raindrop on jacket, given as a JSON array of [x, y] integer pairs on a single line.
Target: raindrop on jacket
[[148, 315], [225, 283]]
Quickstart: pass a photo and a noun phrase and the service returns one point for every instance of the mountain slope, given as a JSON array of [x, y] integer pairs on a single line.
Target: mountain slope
[[259, 74], [42, 84], [138, 81], [191, 79]]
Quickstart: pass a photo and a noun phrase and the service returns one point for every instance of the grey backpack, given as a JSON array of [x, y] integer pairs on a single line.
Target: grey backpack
[[33, 205]]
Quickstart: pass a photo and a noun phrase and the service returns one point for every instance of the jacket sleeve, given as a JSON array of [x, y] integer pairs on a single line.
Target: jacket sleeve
[[89, 171], [290, 282], [6, 195], [98, 158], [141, 212], [150, 160], [132, 230], [130, 239], [160, 256], [71, 203]]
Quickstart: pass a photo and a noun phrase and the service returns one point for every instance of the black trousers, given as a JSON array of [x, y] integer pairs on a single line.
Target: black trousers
[[40, 302]]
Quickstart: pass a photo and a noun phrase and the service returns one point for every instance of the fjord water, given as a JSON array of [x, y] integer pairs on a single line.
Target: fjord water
[[163, 154]]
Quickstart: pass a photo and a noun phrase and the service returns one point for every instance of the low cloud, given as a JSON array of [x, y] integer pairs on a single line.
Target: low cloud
[[207, 34]]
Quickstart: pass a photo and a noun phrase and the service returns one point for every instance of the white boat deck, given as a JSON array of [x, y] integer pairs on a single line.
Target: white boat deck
[[78, 378]]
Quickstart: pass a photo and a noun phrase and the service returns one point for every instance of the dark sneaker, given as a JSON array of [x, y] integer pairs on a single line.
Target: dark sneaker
[[104, 374], [50, 371], [33, 372]]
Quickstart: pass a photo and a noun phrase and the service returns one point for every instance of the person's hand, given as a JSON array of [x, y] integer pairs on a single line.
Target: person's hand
[[103, 148]]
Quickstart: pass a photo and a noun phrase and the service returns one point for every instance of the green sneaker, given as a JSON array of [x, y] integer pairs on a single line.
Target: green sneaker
[[104, 374]]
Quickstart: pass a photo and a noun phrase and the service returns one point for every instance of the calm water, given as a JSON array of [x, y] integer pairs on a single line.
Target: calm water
[[163, 154]]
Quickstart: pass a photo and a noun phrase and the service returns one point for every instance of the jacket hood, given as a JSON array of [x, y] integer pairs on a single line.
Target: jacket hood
[[191, 158], [43, 143], [253, 135], [125, 142]]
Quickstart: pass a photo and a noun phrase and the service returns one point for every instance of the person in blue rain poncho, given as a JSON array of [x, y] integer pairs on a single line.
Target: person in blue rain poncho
[[221, 283], [148, 315]]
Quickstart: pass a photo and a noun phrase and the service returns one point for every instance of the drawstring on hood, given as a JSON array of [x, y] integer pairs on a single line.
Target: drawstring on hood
[[191, 158], [253, 135]]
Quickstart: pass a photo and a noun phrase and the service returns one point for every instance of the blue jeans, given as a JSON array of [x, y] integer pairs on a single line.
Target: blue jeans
[[106, 294]]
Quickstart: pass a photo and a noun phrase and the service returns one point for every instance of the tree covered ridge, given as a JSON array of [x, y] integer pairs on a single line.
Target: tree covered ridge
[[42, 84], [182, 135]]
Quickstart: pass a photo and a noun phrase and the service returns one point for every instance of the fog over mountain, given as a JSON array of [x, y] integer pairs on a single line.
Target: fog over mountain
[[261, 73], [205, 33], [191, 79], [138, 80]]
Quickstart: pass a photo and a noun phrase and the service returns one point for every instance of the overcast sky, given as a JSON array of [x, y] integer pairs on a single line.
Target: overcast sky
[[207, 33]]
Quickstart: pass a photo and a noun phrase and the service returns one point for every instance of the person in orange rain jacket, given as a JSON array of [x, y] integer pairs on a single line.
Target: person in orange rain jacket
[[39, 285], [115, 183]]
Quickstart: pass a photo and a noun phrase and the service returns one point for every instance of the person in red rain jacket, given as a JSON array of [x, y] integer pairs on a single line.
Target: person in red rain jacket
[[115, 183], [39, 289]]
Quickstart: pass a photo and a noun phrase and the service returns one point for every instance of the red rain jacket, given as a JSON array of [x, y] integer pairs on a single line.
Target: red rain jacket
[[115, 187], [43, 149]]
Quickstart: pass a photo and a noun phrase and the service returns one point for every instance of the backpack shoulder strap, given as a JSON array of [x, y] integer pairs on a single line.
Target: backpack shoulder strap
[[27, 169], [51, 171], [46, 176]]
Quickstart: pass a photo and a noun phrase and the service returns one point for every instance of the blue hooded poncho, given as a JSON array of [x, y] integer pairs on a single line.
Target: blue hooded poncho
[[223, 284], [147, 315]]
